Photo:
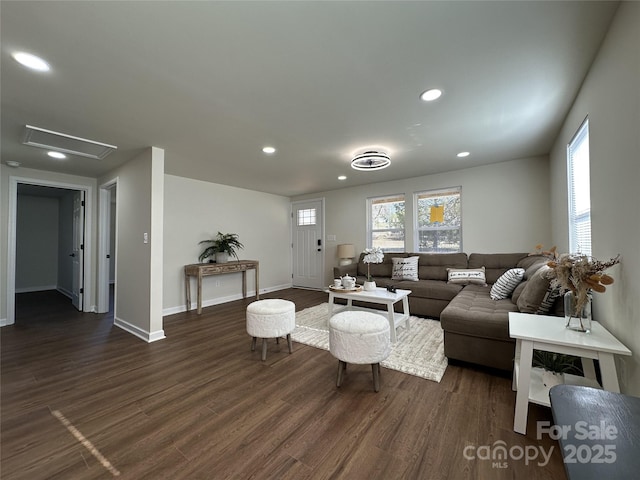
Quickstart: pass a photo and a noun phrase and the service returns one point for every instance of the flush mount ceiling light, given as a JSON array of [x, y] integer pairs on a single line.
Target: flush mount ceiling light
[[431, 95], [61, 142], [31, 61], [371, 160], [57, 155]]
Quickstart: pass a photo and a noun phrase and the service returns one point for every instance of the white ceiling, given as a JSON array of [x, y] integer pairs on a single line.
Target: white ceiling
[[214, 82]]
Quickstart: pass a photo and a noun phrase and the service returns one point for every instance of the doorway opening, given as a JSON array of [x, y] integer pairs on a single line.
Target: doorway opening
[[48, 243], [107, 247]]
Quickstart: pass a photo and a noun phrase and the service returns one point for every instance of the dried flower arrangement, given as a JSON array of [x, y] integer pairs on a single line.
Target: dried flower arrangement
[[577, 272], [372, 255]]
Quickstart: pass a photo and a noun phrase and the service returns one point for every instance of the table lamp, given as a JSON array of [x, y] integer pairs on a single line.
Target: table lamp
[[346, 252]]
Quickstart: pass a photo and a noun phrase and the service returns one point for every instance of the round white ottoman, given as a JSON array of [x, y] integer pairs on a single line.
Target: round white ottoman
[[271, 318], [361, 338]]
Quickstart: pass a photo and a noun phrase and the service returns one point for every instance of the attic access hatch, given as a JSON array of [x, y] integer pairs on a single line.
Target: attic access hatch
[[61, 142]]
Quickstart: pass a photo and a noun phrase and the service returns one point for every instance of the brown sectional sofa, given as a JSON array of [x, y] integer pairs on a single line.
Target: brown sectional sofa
[[476, 327]]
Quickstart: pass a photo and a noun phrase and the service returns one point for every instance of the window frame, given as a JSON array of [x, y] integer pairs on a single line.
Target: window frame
[[579, 222], [371, 230], [417, 228]]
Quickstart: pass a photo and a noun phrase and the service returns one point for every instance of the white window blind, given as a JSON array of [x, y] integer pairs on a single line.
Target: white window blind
[[386, 223], [579, 191]]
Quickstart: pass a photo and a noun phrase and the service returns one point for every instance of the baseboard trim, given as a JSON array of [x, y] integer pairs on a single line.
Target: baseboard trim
[[42, 288], [139, 332], [219, 300], [65, 292]]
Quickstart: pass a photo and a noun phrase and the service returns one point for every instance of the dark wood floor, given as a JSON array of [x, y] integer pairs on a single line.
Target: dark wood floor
[[82, 399]]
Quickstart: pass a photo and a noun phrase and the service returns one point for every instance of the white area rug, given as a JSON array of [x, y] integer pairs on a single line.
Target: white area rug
[[418, 351]]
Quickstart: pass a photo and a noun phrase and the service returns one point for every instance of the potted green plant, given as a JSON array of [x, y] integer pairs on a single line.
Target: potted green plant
[[554, 366], [220, 247]]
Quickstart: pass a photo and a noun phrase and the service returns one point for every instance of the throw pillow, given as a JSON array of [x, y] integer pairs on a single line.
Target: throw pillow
[[466, 276], [535, 291], [548, 300], [405, 269], [506, 284]]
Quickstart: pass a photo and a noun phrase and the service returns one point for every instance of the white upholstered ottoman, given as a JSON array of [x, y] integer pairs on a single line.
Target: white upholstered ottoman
[[271, 318], [361, 338]]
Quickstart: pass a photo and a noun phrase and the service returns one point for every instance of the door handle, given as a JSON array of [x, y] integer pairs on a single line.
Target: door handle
[[72, 254]]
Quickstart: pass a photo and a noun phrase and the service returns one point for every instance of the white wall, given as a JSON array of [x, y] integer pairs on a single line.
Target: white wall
[[138, 291], [36, 243], [505, 207], [610, 96], [196, 210]]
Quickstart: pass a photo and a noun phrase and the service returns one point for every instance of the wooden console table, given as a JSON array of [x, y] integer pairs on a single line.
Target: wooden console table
[[200, 270]]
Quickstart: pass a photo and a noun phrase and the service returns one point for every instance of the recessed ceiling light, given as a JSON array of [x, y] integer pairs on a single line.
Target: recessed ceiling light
[[342, 177], [269, 150], [463, 154], [57, 155], [13, 163], [31, 61], [431, 95]]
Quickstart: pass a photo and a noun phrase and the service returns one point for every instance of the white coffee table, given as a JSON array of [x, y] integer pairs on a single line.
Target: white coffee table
[[548, 333], [379, 296]]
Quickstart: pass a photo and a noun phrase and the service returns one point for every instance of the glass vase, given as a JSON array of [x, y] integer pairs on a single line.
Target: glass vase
[[579, 321]]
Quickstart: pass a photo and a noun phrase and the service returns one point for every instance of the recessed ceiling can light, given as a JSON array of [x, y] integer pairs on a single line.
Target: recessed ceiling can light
[[463, 154], [269, 150], [57, 155], [371, 160], [31, 61], [13, 163], [342, 177], [431, 95]]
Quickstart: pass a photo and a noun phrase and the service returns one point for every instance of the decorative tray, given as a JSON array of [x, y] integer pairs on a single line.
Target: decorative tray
[[357, 288]]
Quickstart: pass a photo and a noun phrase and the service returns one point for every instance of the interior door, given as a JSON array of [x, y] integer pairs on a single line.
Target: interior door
[[77, 253], [308, 244]]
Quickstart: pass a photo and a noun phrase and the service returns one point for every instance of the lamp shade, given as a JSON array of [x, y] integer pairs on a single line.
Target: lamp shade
[[346, 250]]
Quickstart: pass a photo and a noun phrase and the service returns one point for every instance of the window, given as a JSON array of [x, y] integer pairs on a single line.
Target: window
[[579, 192], [307, 217], [438, 226], [386, 223]]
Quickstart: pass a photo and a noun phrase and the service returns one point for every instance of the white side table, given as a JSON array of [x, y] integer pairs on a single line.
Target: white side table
[[548, 333]]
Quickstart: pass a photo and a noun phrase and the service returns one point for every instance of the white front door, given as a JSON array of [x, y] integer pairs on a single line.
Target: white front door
[[308, 244], [77, 252]]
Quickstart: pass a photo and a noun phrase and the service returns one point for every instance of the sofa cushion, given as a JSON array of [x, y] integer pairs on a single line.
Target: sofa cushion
[[531, 263], [496, 264], [466, 276], [473, 312], [383, 269], [433, 266], [405, 268], [535, 291], [431, 289], [506, 284]]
